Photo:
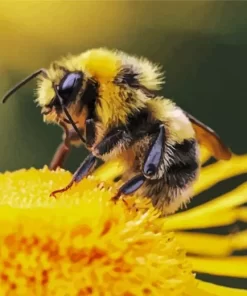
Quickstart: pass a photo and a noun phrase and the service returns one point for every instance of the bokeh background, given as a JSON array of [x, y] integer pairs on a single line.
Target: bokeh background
[[202, 45]]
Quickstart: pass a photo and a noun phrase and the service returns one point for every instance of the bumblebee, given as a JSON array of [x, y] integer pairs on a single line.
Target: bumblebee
[[107, 100]]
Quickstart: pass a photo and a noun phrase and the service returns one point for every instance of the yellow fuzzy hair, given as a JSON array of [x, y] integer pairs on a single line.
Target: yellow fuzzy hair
[[166, 111], [103, 65]]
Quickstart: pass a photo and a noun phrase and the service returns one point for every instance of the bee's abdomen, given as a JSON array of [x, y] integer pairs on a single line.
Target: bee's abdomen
[[183, 164], [172, 184]]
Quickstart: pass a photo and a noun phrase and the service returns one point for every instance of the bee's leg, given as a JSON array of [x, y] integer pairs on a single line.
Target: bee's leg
[[90, 161], [84, 169], [130, 186], [154, 155], [71, 135], [151, 165], [64, 148], [90, 132], [59, 156]]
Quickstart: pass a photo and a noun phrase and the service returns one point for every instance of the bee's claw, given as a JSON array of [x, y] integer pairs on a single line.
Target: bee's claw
[[115, 198], [53, 194]]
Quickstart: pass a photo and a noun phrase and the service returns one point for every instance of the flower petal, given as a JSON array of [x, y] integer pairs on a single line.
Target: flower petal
[[221, 170], [110, 170], [199, 219], [219, 290], [242, 214], [212, 244], [214, 213], [204, 154], [234, 198], [231, 266]]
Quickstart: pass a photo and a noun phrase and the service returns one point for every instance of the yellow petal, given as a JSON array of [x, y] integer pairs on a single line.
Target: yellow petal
[[214, 213], [242, 214], [231, 266], [212, 244], [204, 154], [110, 170], [240, 240], [234, 198], [221, 170], [199, 219], [219, 290]]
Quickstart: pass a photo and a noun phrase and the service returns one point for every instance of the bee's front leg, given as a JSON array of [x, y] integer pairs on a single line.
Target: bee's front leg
[[70, 135], [64, 148], [59, 156]]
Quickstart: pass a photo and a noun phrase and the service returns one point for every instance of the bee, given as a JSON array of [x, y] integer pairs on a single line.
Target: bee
[[107, 100]]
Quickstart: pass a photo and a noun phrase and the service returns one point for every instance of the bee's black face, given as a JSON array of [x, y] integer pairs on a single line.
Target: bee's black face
[[69, 87]]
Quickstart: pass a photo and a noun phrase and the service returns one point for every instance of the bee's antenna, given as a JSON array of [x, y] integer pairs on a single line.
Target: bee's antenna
[[23, 82], [68, 115]]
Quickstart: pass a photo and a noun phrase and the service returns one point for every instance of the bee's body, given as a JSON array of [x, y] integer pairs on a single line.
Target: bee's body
[[171, 185], [110, 97]]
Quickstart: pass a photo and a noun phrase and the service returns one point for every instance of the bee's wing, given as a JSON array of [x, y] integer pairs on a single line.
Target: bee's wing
[[208, 138]]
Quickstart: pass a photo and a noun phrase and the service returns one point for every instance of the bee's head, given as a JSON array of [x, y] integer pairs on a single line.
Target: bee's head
[[57, 93], [60, 90]]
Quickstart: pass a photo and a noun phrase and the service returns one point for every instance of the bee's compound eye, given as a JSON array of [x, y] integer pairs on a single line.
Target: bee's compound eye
[[70, 86]]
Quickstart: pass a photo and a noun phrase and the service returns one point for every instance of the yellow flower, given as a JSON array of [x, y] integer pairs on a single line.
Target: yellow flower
[[83, 244]]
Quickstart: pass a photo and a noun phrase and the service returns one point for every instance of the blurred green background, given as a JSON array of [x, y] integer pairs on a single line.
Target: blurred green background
[[202, 45]]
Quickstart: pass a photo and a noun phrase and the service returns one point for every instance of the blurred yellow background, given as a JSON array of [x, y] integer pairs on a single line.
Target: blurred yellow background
[[202, 45]]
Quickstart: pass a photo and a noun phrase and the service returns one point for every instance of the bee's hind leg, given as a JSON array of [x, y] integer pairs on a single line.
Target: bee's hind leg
[[155, 153], [130, 186], [151, 165]]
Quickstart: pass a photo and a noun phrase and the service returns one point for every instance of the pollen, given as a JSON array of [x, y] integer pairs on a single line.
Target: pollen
[[82, 243]]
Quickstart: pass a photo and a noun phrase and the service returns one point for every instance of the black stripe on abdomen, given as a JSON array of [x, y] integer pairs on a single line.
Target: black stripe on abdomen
[[184, 164]]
